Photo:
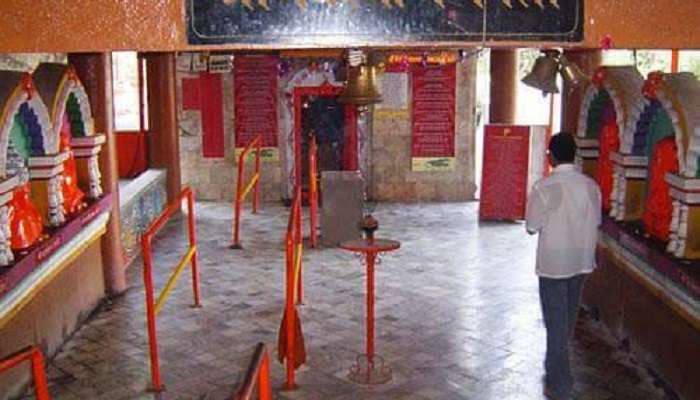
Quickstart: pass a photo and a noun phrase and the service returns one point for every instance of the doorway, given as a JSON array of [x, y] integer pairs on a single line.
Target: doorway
[[318, 113]]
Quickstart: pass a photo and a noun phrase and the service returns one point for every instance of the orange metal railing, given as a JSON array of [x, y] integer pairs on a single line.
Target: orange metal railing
[[154, 306], [33, 354], [242, 191], [291, 341], [313, 193], [258, 370]]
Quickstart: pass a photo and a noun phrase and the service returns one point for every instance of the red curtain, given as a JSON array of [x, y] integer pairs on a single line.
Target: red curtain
[[211, 108], [659, 205], [609, 142]]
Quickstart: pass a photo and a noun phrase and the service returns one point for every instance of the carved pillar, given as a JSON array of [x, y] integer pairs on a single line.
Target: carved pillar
[[95, 72], [588, 61], [163, 137], [504, 86]]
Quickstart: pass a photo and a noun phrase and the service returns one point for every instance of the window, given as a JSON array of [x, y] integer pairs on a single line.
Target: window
[[689, 60], [126, 91], [646, 60]]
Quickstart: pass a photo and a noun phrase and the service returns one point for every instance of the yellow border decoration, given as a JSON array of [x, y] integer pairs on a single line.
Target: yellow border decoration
[[267, 154], [433, 164]]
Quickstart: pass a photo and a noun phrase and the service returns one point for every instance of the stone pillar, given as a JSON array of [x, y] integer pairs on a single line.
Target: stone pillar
[[95, 72], [163, 132], [504, 86], [588, 61]]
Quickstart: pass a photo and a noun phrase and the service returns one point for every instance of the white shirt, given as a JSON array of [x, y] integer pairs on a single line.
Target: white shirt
[[565, 209]]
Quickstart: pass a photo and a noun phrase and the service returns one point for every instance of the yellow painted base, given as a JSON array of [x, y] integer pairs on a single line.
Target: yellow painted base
[[692, 244], [81, 165], [590, 167], [634, 199], [40, 196]]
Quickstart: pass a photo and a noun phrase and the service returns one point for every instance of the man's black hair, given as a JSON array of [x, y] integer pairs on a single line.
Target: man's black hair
[[563, 147]]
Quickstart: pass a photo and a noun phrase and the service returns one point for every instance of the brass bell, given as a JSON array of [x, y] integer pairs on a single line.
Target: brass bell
[[361, 89], [544, 73], [572, 74]]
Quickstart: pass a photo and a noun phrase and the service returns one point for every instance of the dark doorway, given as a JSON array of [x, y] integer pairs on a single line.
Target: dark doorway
[[322, 117], [318, 112]]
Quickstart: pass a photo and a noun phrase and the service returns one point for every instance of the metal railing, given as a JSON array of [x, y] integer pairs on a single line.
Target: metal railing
[[242, 191], [313, 193], [258, 371], [33, 354], [291, 340], [153, 307]]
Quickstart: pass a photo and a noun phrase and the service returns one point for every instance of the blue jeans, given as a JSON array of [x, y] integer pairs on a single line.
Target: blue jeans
[[559, 299]]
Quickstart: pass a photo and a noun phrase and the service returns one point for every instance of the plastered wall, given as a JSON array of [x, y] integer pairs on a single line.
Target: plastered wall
[[215, 178], [392, 177], [52, 316], [389, 157]]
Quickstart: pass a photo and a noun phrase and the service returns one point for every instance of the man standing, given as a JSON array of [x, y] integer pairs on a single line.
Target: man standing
[[564, 209]]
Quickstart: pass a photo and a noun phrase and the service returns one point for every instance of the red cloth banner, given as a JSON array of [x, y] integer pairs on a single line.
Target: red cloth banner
[[190, 94], [255, 91], [504, 175], [211, 107], [433, 111]]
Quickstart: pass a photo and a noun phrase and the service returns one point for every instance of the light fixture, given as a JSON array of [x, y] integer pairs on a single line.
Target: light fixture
[[360, 89], [543, 75]]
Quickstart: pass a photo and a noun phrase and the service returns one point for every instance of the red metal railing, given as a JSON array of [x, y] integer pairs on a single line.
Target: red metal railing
[[153, 307], [258, 370], [313, 193], [31, 353], [242, 191], [291, 342]]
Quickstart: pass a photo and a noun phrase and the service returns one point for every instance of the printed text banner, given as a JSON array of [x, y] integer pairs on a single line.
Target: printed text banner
[[255, 93], [433, 117], [505, 171]]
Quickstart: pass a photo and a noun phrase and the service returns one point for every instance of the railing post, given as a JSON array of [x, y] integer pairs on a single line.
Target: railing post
[[236, 244], [264, 386], [41, 389], [299, 242], [313, 194], [150, 313], [242, 191], [256, 190], [192, 230], [290, 312]]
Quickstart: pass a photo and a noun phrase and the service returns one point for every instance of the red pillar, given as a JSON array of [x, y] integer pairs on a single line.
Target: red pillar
[[588, 61], [163, 132], [95, 72], [504, 86]]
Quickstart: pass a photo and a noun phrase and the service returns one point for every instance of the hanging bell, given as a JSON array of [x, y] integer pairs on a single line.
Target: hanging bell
[[543, 75], [572, 74], [361, 89]]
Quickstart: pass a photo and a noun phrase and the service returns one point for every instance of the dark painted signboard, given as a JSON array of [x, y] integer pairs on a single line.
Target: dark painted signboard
[[353, 22]]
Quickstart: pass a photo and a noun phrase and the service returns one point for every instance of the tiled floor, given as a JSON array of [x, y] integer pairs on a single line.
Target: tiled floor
[[457, 317]]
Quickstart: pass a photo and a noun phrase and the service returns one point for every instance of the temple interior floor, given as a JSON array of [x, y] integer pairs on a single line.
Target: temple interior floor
[[457, 307]]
